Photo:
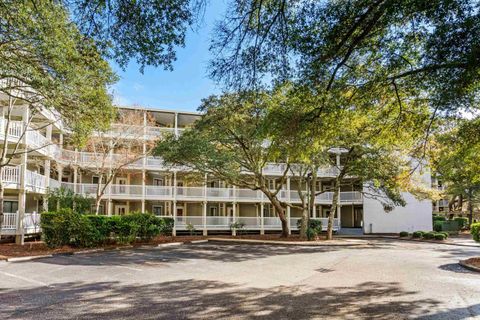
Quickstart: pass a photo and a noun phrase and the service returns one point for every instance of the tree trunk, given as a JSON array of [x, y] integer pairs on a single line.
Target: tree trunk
[[470, 208], [305, 220], [333, 211], [281, 214]]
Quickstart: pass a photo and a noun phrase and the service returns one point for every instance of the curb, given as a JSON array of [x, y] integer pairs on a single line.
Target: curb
[[88, 251], [28, 258], [198, 241], [291, 243], [468, 266], [437, 242], [169, 244]]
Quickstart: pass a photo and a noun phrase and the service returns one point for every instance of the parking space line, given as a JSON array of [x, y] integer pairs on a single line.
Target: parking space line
[[25, 279]]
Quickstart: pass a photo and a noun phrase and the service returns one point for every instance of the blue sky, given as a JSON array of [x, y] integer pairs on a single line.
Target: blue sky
[[182, 88]]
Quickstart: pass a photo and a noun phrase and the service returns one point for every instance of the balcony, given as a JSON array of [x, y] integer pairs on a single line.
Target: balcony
[[31, 223], [121, 191], [250, 223], [34, 182]]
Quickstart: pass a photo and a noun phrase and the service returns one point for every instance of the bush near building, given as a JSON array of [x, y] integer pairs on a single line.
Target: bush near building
[[66, 227], [475, 231], [314, 228]]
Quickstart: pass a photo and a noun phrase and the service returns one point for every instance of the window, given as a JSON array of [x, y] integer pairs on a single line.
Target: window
[[213, 184], [95, 179], [158, 182], [10, 206], [213, 211], [327, 186], [157, 210], [271, 184]]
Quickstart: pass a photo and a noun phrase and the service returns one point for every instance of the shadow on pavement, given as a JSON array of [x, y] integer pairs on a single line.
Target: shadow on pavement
[[214, 252], [210, 299]]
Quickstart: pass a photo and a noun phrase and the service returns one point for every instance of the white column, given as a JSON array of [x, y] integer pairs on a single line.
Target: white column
[[176, 124], [47, 182], [234, 215], [144, 189], [262, 228], [314, 210], [288, 208], [22, 199], [174, 231], [204, 218]]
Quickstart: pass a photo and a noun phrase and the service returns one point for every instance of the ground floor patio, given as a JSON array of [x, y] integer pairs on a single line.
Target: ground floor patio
[[378, 279]]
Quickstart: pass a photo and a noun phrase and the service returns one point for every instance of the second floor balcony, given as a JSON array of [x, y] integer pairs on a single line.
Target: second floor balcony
[[149, 192]]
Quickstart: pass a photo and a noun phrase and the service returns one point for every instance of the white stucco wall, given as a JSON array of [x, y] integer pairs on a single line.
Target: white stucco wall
[[416, 215]]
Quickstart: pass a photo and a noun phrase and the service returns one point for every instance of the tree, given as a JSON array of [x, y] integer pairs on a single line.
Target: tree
[[233, 142], [112, 151], [46, 64], [365, 46], [62, 198], [147, 31], [379, 142], [455, 155]]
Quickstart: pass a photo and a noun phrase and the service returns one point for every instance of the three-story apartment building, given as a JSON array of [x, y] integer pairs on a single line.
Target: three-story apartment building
[[147, 185]]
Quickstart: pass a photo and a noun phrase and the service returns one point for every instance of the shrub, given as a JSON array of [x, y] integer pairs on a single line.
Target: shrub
[[314, 228], [404, 234], [429, 235], [475, 231], [440, 236], [438, 218], [66, 227], [462, 222], [445, 234], [437, 225], [417, 234]]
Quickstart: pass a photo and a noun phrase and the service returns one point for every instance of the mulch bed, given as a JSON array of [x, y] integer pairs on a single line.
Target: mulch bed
[[38, 248]]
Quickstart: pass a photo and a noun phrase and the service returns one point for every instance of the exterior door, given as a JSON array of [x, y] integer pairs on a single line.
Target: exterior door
[[120, 210], [230, 211], [179, 212], [358, 217], [180, 187], [122, 182]]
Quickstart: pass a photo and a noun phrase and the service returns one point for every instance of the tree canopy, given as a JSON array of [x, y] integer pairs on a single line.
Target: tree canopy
[[45, 62], [413, 50]]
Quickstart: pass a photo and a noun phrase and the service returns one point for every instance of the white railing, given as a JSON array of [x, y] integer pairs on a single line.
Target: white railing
[[54, 184], [15, 128], [190, 192], [218, 222], [11, 175], [272, 223], [202, 193], [36, 181], [250, 222], [244, 194], [9, 221], [125, 190], [31, 223], [224, 193], [158, 191], [181, 222], [336, 223]]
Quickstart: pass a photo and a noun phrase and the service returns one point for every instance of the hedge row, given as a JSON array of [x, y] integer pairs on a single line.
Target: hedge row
[[430, 235], [66, 227], [475, 231]]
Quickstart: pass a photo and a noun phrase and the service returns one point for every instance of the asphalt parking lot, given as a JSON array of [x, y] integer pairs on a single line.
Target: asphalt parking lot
[[383, 279]]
